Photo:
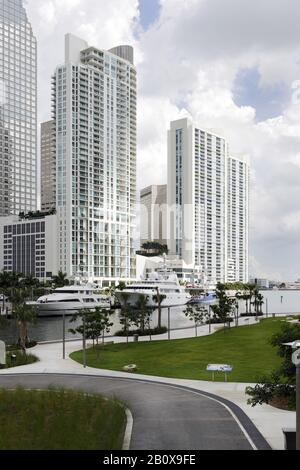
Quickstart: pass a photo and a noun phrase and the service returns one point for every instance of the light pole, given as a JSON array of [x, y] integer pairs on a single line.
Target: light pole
[[84, 342], [298, 405], [64, 335]]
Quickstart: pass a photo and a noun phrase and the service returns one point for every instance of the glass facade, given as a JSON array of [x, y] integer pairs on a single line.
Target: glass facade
[[18, 110]]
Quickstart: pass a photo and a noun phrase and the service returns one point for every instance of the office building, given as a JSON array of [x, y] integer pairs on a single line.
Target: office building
[[18, 110], [207, 203], [94, 109], [28, 246]]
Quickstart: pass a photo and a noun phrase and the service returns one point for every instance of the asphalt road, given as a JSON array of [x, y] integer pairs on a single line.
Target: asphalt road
[[165, 417]]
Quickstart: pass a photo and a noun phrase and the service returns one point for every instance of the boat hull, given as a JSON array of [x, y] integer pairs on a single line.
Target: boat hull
[[69, 309], [174, 300]]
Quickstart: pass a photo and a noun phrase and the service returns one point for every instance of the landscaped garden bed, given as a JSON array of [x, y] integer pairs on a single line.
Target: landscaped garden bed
[[59, 420]]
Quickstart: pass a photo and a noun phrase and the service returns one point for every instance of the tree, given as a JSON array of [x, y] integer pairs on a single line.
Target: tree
[[24, 315], [155, 248], [260, 301], [142, 313], [9, 279], [158, 299], [223, 308], [60, 280], [29, 281], [252, 288], [196, 314], [97, 323], [124, 314], [281, 383]]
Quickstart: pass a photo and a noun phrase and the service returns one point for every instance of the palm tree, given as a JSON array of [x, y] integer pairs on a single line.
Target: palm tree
[[24, 314], [8, 279], [158, 299], [260, 301], [61, 279], [251, 289]]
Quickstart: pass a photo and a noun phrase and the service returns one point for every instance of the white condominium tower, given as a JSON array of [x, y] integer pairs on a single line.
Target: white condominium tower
[[207, 203], [94, 109], [18, 110], [238, 219]]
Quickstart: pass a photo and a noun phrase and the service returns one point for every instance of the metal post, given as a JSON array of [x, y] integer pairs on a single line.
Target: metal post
[[298, 407], [84, 342], [209, 320], [64, 336], [267, 312], [169, 323]]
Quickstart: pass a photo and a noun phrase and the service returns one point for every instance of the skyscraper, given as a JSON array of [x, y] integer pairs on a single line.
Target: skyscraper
[[94, 109], [238, 219], [207, 203], [48, 166], [18, 110]]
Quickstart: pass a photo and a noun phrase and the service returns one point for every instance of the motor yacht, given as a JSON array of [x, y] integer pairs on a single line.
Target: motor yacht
[[70, 299], [164, 282]]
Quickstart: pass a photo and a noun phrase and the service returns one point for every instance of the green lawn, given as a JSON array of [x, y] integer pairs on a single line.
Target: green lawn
[[59, 420], [247, 348]]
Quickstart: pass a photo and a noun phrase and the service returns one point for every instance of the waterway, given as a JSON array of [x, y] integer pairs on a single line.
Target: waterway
[[51, 329]]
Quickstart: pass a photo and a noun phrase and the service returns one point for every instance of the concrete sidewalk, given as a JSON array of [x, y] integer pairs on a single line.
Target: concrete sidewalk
[[267, 419]]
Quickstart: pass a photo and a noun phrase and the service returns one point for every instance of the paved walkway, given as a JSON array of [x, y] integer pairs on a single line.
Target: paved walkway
[[267, 419]]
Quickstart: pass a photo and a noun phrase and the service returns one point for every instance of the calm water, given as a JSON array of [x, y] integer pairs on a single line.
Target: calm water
[[51, 329]]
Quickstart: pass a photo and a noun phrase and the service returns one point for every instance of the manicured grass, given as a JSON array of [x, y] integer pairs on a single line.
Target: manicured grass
[[59, 420], [247, 348], [20, 360]]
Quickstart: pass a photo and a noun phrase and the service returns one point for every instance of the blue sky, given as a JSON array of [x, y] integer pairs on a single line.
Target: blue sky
[[149, 11], [269, 102]]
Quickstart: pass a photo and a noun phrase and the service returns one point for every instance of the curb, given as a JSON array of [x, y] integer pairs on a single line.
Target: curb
[[128, 430]]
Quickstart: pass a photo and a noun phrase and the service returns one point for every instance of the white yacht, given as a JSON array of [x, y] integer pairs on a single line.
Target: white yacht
[[69, 300], [162, 281]]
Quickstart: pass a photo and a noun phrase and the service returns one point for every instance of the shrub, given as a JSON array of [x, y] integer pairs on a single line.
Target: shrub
[[153, 331]]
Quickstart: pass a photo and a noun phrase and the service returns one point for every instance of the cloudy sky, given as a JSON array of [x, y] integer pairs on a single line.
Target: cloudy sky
[[232, 65]]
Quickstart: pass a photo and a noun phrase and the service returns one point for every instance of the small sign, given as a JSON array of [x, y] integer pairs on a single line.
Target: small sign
[[219, 368], [296, 357], [2, 353]]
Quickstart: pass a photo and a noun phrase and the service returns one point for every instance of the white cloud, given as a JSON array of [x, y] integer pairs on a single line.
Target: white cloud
[[189, 59]]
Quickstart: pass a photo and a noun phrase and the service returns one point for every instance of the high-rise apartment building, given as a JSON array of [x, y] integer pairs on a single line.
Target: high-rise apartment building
[[94, 109], [207, 203], [238, 219], [48, 166], [18, 110], [153, 204]]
